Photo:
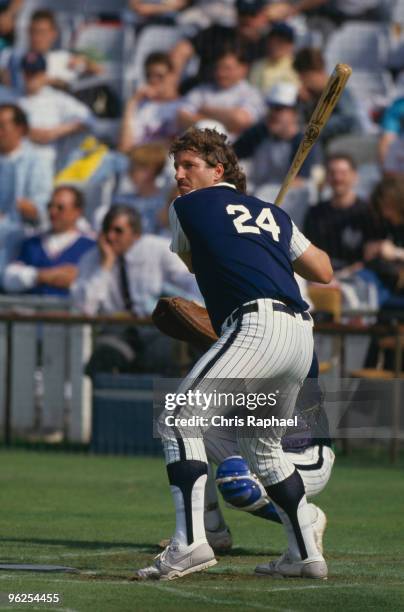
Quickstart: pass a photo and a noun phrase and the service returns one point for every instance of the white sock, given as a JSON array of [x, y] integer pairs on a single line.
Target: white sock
[[197, 503], [304, 516]]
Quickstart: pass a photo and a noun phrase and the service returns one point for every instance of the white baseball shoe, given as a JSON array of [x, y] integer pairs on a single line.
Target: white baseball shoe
[[285, 567], [319, 527], [174, 563], [220, 539]]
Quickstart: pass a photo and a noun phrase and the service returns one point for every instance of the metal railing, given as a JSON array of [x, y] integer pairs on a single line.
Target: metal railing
[[66, 345]]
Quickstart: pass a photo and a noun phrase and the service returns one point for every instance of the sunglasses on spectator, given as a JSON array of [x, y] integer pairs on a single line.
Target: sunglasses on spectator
[[116, 229]]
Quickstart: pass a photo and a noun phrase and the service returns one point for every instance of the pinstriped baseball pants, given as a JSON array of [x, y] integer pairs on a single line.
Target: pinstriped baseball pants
[[267, 344]]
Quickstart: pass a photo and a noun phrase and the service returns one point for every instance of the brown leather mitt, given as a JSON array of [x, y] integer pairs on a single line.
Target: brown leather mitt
[[184, 320]]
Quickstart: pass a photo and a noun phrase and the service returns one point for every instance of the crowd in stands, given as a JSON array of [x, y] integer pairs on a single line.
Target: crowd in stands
[[85, 179]]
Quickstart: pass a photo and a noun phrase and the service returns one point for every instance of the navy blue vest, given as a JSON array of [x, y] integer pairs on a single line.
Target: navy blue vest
[[33, 254]]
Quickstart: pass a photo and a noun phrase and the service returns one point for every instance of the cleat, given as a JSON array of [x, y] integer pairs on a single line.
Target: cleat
[[319, 526], [174, 563], [285, 567], [220, 539]]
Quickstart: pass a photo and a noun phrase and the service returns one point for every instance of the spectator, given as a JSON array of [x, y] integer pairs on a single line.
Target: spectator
[[278, 64], [52, 115], [384, 259], [392, 126], [271, 144], [9, 10], [139, 189], [62, 66], [346, 117], [25, 179], [151, 268], [342, 224], [151, 113], [47, 263], [248, 36], [230, 99], [388, 203], [129, 271]]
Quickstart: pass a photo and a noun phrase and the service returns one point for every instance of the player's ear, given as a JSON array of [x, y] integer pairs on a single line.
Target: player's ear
[[218, 173]]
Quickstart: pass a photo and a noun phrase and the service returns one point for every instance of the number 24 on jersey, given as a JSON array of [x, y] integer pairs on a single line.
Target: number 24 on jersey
[[265, 221]]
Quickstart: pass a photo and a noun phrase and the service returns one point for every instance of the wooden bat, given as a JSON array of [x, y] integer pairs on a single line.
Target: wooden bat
[[325, 106]]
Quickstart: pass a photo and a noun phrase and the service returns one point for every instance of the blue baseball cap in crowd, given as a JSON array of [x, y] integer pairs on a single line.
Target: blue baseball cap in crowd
[[282, 30], [250, 7], [33, 63]]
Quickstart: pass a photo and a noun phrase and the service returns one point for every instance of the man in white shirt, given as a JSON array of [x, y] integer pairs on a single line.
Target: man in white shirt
[[230, 99], [129, 271], [52, 115]]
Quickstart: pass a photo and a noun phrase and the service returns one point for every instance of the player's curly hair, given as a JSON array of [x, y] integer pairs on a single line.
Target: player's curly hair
[[213, 148]]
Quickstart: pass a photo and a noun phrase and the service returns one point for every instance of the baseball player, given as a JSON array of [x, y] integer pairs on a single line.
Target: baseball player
[[243, 252]]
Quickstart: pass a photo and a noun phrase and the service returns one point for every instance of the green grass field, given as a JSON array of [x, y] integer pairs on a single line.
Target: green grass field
[[104, 515]]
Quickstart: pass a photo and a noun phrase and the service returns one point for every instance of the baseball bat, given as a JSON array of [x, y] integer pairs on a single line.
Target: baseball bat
[[325, 106]]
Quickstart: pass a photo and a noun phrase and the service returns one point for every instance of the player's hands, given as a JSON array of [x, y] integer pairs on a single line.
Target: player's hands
[[108, 256], [27, 209]]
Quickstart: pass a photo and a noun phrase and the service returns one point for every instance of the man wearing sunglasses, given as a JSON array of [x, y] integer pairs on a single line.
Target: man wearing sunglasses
[[128, 272], [47, 263]]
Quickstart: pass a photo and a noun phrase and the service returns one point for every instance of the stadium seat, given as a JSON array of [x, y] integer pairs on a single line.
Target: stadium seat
[[327, 300], [103, 40], [110, 43], [296, 202], [362, 45], [397, 12], [374, 89], [379, 372], [362, 148]]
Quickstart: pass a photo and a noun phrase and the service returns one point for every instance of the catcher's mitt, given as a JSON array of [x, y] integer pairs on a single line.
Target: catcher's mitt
[[184, 320]]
